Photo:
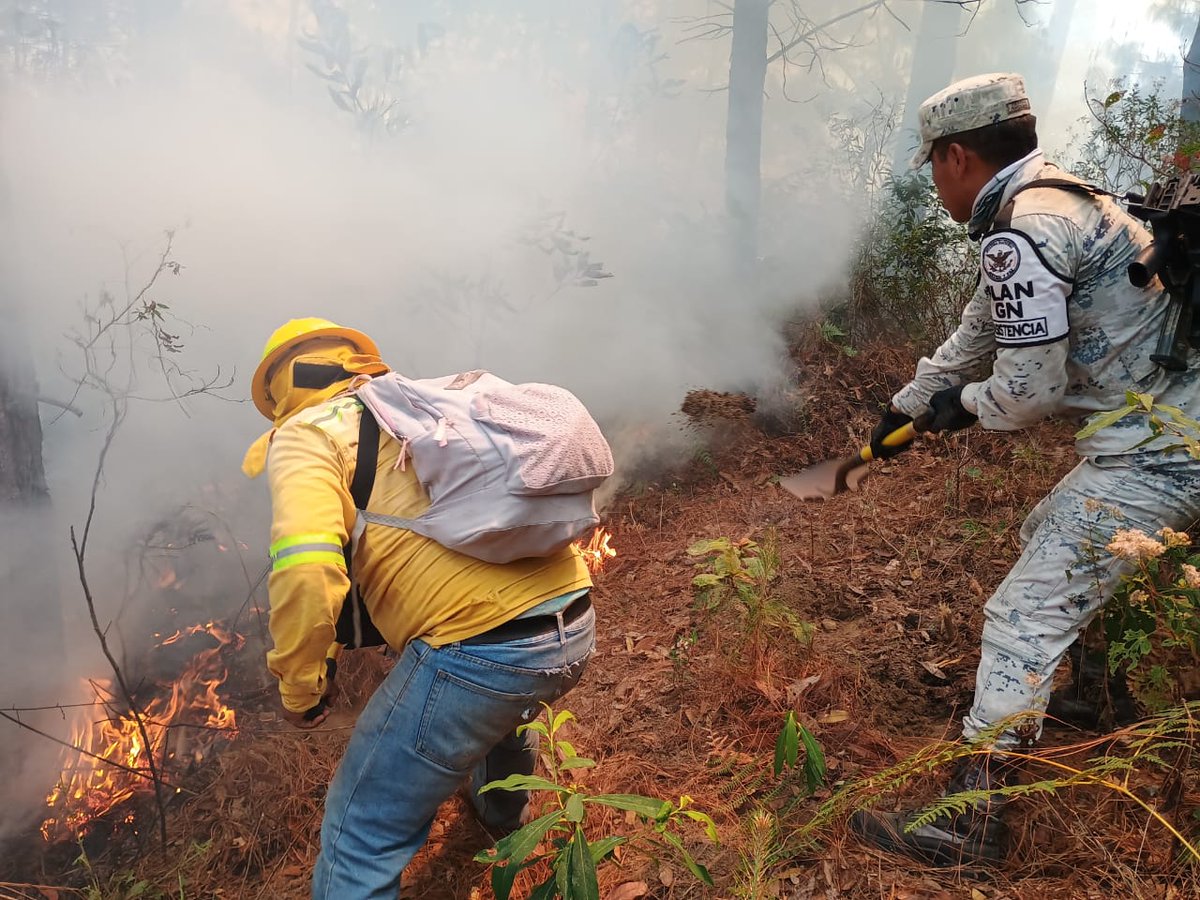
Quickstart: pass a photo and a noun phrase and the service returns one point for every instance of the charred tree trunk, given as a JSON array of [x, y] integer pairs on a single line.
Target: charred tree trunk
[[1191, 80], [743, 126]]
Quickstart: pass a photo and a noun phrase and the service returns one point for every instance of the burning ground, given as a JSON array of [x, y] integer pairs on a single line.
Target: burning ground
[[868, 631]]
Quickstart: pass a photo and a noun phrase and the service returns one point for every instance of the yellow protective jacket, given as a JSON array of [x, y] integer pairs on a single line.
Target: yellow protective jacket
[[412, 586]]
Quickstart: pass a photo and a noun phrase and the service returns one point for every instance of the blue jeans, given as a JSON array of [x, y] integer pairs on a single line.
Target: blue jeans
[[443, 713]]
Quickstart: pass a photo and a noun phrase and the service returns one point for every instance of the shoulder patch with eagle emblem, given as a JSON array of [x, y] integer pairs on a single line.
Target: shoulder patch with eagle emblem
[[1028, 300]]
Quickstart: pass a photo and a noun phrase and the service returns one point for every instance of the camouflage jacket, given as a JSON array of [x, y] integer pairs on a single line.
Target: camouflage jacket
[[1055, 317]]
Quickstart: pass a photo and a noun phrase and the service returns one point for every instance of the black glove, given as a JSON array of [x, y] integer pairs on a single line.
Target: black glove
[[316, 710], [948, 411], [890, 421]]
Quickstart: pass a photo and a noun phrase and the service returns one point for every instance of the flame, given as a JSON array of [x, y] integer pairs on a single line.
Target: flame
[[597, 552], [88, 788]]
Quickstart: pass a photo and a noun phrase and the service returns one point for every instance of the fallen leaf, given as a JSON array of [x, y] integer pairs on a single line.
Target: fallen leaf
[[796, 688], [769, 691], [834, 716], [933, 670], [666, 875], [630, 890], [977, 894]]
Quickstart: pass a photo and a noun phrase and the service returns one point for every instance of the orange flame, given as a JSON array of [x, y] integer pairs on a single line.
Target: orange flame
[[597, 552], [88, 788]]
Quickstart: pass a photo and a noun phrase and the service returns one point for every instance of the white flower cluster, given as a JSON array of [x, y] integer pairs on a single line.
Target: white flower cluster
[[1135, 545], [1191, 576]]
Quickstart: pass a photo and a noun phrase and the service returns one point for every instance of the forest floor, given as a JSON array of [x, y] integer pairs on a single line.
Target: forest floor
[[684, 700]]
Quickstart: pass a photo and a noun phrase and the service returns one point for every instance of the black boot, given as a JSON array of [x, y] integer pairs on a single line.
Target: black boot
[[974, 837], [1094, 696]]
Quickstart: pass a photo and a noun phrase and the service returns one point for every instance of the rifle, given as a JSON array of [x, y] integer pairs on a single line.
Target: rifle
[[1172, 207]]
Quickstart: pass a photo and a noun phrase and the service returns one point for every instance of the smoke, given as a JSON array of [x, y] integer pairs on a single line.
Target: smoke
[[494, 168]]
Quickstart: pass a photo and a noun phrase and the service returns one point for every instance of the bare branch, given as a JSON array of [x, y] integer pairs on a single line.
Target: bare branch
[[816, 29], [79, 548], [50, 401], [140, 773]]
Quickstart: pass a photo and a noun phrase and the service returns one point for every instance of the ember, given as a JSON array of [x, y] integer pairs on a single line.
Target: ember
[[110, 762], [597, 552]]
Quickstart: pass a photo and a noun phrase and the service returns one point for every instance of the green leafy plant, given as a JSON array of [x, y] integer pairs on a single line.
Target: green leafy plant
[[792, 736], [1151, 624], [1169, 422], [560, 836], [1134, 135], [836, 337], [740, 573], [913, 270], [797, 755]]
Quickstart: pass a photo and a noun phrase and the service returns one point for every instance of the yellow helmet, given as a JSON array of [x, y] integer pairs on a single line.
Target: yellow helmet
[[284, 339]]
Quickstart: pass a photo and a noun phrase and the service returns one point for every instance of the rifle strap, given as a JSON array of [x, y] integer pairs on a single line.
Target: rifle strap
[[1003, 220]]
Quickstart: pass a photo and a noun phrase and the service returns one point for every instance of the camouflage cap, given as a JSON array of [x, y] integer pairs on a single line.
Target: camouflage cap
[[968, 104]]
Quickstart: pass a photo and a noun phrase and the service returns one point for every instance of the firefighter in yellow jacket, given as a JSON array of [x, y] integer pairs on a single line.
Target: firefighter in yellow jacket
[[481, 644]]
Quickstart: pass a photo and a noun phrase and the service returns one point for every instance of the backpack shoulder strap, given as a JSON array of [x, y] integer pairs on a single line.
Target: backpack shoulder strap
[[367, 459], [1003, 218], [354, 626]]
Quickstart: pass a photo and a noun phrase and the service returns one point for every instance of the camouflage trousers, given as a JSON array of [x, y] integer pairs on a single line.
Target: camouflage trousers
[[1065, 576]]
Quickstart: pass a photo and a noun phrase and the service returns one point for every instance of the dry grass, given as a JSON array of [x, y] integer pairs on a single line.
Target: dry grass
[[676, 702]]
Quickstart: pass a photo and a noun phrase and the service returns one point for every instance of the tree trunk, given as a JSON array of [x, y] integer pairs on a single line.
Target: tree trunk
[[30, 604], [1191, 80], [1043, 81], [934, 56], [743, 127], [22, 476]]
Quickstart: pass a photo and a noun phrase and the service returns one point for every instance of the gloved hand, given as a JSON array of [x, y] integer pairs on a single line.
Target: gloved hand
[[313, 717], [890, 421], [948, 411]]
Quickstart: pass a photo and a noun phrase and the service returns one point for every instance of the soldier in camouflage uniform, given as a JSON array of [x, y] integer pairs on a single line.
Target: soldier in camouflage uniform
[[1065, 334]]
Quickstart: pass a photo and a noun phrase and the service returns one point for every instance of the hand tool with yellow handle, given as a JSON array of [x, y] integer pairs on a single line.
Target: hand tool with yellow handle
[[833, 476]]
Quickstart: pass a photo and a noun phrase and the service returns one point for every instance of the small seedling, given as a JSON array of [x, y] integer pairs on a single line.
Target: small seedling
[[572, 854]]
